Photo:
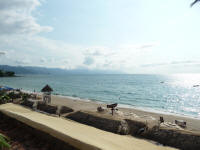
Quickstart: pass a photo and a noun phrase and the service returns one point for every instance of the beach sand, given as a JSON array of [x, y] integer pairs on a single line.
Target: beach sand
[[151, 117]]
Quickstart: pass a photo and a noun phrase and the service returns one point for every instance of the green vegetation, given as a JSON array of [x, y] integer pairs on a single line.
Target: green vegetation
[[7, 73], [4, 99], [4, 142], [7, 97], [25, 97]]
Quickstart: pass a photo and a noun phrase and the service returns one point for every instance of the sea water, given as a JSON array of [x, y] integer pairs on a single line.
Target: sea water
[[178, 94]]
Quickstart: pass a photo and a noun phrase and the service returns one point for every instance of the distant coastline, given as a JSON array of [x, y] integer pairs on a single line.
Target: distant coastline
[[7, 73], [10, 76]]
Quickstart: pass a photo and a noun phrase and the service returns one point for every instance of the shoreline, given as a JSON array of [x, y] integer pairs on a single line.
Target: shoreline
[[129, 106], [90, 105], [78, 104], [126, 106]]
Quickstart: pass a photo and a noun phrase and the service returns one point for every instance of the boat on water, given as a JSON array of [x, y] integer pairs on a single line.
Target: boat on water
[[197, 85]]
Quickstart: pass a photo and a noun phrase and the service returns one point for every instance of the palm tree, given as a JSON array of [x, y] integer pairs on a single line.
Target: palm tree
[[194, 2], [4, 142]]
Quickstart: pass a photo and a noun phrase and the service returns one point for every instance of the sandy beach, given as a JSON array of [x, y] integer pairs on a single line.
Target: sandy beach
[[151, 117]]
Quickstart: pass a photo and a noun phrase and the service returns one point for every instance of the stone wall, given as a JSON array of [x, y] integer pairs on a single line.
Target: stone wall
[[181, 139], [64, 110], [47, 108], [135, 126], [27, 104], [112, 125]]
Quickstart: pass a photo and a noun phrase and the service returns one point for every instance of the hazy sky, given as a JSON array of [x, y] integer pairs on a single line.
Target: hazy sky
[[133, 36]]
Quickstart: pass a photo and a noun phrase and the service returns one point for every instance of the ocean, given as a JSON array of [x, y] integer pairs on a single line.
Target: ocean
[[164, 93]]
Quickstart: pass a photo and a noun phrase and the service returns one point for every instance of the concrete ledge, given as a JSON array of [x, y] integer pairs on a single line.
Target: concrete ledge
[[77, 135], [18, 130]]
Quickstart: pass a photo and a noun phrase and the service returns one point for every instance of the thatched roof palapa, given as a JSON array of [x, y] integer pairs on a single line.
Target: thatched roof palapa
[[47, 88]]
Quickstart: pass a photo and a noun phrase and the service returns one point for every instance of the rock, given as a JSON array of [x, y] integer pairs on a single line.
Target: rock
[[27, 103], [181, 139], [47, 108], [135, 126], [181, 123], [123, 128], [65, 109], [101, 109]]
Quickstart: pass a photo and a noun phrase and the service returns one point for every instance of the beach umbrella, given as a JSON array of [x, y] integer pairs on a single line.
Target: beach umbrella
[[47, 88], [6, 88]]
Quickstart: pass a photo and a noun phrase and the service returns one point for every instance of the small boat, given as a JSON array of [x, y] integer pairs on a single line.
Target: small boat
[[197, 85], [162, 82]]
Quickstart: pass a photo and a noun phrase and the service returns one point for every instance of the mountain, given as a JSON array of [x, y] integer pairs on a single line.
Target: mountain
[[54, 71]]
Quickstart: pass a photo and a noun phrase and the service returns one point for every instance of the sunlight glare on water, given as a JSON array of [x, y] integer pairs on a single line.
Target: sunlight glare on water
[[187, 87], [186, 80]]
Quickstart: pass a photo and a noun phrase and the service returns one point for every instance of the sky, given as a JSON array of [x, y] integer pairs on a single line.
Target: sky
[[131, 36]]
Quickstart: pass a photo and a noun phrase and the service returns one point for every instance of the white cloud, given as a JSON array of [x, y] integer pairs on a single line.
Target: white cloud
[[88, 61], [43, 60], [40, 51], [16, 17], [18, 34], [177, 63], [121, 57], [22, 62]]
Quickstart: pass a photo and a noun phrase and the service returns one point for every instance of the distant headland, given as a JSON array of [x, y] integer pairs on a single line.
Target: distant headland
[[7, 73], [22, 70]]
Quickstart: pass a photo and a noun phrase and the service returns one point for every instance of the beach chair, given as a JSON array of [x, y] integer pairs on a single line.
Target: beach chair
[[100, 109], [181, 123]]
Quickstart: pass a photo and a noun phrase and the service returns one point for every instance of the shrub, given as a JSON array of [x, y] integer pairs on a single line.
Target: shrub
[[25, 96], [2, 93], [4, 99]]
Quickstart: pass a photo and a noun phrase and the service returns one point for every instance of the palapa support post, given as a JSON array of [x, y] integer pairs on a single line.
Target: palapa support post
[[112, 109]]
